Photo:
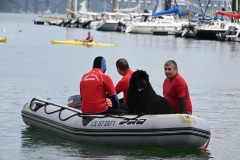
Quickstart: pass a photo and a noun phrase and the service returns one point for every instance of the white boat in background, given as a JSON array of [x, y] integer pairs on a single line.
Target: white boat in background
[[147, 26], [110, 21], [88, 19], [84, 19], [161, 21], [209, 31]]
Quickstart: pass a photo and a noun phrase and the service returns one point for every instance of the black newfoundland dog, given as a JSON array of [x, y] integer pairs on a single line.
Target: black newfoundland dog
[[141, 97]]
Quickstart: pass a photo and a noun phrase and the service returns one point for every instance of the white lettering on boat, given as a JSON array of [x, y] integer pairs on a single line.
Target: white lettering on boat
[[132, 122], [91, 77]]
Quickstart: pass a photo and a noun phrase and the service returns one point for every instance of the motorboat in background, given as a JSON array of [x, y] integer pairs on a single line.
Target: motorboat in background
[[157, 22], [162, 23], [232, 34], [83, 19], [187, 31], [110, 21], [88, 19], [209, 31]]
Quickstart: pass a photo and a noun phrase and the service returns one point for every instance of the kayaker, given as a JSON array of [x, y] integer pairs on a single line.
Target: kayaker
[[122, 86], [175, 89], [94, 86], [88, 39]]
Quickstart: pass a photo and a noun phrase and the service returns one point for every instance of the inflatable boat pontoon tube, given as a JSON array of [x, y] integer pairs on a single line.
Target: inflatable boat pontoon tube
[[180, 131]]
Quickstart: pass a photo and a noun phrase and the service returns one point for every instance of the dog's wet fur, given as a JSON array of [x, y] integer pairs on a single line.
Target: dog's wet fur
[[143, 99]]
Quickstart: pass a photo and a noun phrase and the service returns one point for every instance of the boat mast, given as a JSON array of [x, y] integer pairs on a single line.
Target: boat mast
[[57, 7], [71, 5], [105, 7], [152, 4], [238, 4], [88, 5], [68, 7], [145, 4], [114, 5]]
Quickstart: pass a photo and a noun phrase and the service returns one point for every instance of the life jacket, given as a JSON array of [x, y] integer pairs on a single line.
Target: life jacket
[[89, 38]]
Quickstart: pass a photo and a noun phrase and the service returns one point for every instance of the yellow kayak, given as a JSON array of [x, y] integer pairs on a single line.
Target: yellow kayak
[[3, 39], [82, 43]]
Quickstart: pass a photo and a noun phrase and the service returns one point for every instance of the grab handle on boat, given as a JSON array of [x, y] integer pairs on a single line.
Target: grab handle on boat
[[36, 104]]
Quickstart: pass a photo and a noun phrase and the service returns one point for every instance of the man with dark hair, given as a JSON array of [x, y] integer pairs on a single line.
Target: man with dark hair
[[94, 86], [122, 86], [175, 89]]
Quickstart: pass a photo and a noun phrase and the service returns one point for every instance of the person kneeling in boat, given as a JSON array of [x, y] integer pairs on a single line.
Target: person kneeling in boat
[[94, 86], [88, 39]]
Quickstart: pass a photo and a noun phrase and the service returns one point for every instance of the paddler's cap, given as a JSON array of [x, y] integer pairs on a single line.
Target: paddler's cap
[[100, 62]]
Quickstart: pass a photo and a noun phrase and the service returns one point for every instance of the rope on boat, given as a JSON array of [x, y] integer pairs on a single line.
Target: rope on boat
[[45, 104]]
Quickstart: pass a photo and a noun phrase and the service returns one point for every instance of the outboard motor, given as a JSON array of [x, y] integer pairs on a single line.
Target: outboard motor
[[67, 22], [231, 31], [86, 24], [79, 22], [74, 101], [60, 23], [121, 27], [73, 23]]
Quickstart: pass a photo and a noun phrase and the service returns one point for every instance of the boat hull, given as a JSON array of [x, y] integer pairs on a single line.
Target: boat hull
[[178, 131], [149, 28], [109, 26], [82, 43], [207, 34]]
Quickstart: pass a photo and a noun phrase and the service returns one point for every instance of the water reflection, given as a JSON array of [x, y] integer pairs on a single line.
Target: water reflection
[[43, 144]]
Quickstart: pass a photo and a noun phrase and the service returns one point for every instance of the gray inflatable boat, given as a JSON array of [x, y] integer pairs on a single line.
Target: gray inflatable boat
[[177, 131]]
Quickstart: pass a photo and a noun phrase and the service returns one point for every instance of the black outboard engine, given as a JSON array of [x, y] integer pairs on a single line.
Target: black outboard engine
[[121, 27], [86, 24], [74, 101], [76, 22], [67, 22], [231, 31], [60, 23]]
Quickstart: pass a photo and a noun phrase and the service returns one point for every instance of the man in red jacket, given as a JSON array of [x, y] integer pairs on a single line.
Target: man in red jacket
[[122, 86], [175, 89], [94, 88]]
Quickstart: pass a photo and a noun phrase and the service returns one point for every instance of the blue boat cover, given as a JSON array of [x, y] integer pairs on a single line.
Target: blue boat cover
[[174, 10]]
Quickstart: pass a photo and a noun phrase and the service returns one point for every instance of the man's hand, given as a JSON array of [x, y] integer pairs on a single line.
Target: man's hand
[[108, 102]]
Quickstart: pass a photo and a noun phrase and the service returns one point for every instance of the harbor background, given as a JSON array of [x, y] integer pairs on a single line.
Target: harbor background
[[32, 67]]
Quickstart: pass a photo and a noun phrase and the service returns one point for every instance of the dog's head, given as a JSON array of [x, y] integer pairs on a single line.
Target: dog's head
[[139, 81]]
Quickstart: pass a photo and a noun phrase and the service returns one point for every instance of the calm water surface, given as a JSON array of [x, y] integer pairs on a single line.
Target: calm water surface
[[30, 66]]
